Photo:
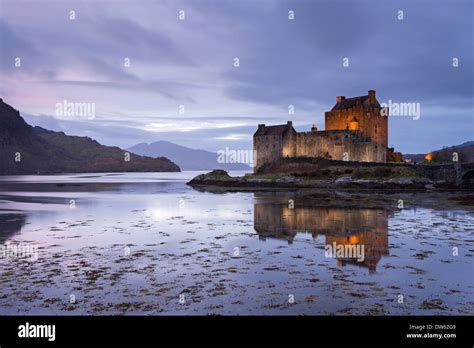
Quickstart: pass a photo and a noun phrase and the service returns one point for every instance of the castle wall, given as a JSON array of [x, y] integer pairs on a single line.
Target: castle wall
[[371, 123], [335, 144], [268, 148], [289, 145]]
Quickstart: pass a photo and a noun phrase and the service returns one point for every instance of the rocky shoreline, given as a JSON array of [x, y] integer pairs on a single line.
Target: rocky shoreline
[[221, 178]]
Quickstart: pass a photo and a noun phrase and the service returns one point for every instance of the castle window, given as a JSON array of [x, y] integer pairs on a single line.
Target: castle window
[[274, 146]]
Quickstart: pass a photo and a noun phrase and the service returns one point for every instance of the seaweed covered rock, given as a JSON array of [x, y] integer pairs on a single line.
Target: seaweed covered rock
[[210, 178]]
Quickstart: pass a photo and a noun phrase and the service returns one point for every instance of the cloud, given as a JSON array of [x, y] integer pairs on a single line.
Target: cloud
[[189, 63]]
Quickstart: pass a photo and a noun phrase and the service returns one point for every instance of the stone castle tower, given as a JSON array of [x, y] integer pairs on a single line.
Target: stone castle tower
[[356, 130], [359, 114]]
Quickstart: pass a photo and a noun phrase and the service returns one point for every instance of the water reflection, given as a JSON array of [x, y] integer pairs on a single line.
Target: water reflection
[[10, 224], [342, 226], [181, 238]]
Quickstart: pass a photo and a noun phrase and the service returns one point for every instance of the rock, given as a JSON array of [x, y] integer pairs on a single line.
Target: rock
[[258, 181], [217, 173], [392, 183], [350, 181], [343, 180], [210, 178], [433, 304], [222, 178], [409, 181], [287, 180]]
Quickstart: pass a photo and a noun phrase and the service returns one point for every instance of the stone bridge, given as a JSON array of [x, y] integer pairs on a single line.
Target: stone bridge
[[459, 174]]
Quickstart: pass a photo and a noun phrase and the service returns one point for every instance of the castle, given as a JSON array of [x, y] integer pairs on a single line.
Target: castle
[[356, 130]]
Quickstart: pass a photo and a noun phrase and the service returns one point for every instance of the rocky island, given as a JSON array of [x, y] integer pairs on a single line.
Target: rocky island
[[321, 173]]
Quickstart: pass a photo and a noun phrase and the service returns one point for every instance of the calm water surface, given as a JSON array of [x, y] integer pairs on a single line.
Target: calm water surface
[[146, 243]]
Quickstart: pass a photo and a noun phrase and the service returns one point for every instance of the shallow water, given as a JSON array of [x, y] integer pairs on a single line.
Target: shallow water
[[146, 243]]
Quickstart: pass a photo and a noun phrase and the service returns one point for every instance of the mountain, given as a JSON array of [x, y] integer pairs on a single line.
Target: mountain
[[34, 150], [186, 158], [465, 153]]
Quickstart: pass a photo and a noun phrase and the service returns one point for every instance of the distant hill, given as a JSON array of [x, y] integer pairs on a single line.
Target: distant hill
[[186, 158], [465, 153], [43, 151]]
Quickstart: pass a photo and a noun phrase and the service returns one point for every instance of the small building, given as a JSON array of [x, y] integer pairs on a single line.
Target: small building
[[356, 129]]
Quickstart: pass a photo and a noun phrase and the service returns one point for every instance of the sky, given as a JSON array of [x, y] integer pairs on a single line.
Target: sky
[[166, 70]]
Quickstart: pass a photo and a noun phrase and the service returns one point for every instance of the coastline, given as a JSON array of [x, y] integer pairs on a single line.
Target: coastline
[[323, 180]]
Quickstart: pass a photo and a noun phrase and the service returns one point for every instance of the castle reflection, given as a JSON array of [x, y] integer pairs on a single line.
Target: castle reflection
[[343, 226]]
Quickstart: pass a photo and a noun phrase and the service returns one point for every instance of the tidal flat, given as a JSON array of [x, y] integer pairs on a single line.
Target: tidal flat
[[148, 244]]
